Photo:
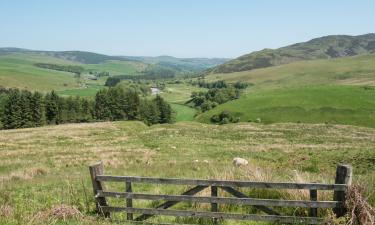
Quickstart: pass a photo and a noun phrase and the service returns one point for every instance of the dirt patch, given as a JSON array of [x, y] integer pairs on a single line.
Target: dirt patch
[[6, 211]]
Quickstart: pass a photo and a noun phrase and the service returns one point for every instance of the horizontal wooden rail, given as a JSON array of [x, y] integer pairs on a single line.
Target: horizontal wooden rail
[[223, 183], [223, 200], [218, 215]]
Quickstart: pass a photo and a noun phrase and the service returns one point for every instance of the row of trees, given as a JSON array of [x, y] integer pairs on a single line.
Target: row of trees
[[67, 68], [22, 109], [220, 84], [125, 104]]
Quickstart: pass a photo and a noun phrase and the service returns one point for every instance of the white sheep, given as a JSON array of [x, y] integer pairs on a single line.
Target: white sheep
[[240, 161]]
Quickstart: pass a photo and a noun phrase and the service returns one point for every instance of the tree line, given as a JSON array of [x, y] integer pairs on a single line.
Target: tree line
[[67, 68], [22, 109]]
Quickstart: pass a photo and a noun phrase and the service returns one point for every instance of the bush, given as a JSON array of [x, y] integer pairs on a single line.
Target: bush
[[224, 117]]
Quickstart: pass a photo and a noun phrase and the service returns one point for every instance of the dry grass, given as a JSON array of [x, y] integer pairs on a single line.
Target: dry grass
[[45, 167], [6, 211], [360, 211]]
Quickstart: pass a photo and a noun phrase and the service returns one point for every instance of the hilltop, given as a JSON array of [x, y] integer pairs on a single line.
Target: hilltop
[[334, 46]]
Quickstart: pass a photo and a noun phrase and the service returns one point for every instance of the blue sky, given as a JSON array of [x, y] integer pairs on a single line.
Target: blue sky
[[182, 28]]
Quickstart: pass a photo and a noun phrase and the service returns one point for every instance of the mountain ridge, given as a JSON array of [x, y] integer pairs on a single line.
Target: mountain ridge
[[332, 46]]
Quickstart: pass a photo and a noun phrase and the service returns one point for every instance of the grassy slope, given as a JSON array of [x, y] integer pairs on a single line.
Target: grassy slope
[[318, 104], [310, 91], [43, 167], [350, 70], [17, 70], [177, 95]]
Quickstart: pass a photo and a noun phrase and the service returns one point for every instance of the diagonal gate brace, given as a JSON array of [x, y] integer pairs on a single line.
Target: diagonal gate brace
[[239, 194], [169, 204]]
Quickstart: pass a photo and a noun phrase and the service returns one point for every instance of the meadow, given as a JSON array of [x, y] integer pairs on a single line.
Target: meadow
[[337, 91], [17, 70], [354, 105], [44, 170]]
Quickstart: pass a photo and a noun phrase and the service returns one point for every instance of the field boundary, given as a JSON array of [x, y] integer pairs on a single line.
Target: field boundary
[[342, 182]]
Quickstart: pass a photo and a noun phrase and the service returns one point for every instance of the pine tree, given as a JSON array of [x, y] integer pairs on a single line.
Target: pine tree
[[101, 108], [117, 102], [12, 110], [26, 113], [166, 113], [37, 109], [132, 104], [52, 108], [149, 112]]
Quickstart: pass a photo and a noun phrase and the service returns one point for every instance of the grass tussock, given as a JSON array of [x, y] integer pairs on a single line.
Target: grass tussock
[[359, 210]]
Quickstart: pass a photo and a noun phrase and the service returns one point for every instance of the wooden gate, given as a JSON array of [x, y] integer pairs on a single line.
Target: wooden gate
[[343, 179]]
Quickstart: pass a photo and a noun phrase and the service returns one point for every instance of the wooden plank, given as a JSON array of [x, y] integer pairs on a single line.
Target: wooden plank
[[169, 204], [225, 200], [223, 183], [214, 206], [314, 197], [129, 201], [344, 175], [96, 170], [239, 194], [219, 215]]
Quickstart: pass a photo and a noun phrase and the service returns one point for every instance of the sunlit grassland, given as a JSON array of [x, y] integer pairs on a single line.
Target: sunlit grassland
[[17, 70], [357, 70], [44, 167], [352, 105]]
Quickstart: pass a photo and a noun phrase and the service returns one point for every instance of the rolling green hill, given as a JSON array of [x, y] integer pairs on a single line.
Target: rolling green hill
[[356, 70], [333, 46], [338, 91], [18, 70], [182, 65]]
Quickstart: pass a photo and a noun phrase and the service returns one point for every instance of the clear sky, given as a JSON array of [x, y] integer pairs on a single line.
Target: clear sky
[[182, 28]]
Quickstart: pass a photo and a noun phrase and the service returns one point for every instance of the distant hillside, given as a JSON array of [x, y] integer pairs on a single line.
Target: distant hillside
[[181, 64], [76, 56], [334, 46]]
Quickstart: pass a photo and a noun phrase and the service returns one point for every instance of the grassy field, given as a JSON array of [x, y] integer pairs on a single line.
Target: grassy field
[[17, 70], [183, 112], [358, 70], [42, 168], [338, 91], [312, 104], [179, 93]]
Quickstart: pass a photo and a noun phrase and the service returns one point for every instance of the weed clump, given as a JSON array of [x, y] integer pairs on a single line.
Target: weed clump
[[359, 210]]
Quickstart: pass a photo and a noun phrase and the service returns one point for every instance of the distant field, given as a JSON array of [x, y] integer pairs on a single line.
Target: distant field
[[311, 104], [41, 168], [179, 93], [183, 112], [17, 70], [118, 67]]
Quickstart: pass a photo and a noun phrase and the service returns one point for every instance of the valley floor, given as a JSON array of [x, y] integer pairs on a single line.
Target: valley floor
[[42, 168]]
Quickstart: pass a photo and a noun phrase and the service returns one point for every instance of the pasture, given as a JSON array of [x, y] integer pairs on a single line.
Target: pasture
[[43, 168], [353, 105]]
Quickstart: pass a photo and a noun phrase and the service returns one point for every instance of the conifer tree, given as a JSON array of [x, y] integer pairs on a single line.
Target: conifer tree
[[37, 109]]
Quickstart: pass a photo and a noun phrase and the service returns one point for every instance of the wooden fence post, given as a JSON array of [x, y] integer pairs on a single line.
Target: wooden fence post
[[313, 197], [95, 170], [343, 176], [129, 201], [214, 206]]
